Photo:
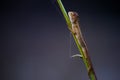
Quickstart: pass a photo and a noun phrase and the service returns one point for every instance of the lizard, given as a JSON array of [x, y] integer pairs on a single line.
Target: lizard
[[75, 29]]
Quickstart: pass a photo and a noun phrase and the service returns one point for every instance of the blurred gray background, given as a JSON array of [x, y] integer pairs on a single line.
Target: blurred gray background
[[35, 41]]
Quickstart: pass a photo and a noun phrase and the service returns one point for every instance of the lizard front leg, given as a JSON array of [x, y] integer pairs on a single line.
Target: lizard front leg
[[72, 31]]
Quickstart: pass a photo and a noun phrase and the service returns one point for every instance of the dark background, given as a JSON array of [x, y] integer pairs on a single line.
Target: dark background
[[35, 40]]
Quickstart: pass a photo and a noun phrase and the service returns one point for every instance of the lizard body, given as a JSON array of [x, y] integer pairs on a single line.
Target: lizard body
[[75, 29], [74, 19]]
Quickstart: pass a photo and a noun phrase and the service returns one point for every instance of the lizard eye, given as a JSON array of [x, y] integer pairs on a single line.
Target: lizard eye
[[74, 14]]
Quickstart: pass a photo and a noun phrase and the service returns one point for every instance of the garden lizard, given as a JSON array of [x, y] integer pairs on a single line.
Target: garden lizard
[[75, 29]]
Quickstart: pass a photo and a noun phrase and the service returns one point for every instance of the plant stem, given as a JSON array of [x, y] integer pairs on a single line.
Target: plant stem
[[86, 58]]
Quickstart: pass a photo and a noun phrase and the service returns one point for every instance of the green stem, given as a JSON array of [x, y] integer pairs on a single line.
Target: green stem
[[91, 75], [64, 13]]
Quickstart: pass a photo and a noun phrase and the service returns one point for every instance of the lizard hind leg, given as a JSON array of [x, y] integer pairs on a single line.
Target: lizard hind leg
[[70, 52], [77, 55]]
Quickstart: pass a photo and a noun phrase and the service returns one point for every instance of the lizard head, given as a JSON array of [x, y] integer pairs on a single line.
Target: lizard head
[[73, 16]]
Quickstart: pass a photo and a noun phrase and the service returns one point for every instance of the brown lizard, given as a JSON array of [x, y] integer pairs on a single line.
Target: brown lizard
[[75, 29]]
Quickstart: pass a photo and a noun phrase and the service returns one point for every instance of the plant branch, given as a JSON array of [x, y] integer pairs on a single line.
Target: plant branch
[[86, 58]]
